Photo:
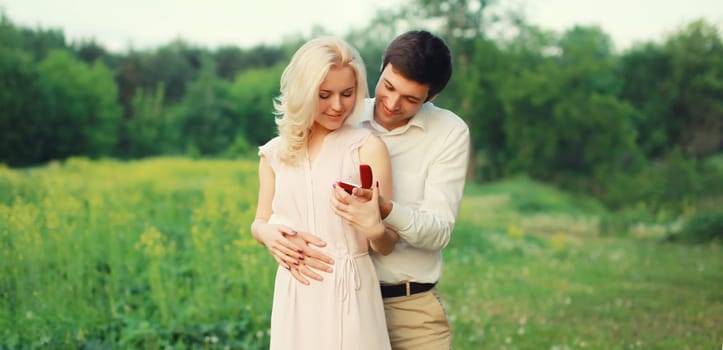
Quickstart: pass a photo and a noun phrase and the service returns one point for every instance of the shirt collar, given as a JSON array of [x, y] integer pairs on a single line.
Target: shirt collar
[[418, 120]]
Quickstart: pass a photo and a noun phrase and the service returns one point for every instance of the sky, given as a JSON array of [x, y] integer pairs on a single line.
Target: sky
[[141, 24]]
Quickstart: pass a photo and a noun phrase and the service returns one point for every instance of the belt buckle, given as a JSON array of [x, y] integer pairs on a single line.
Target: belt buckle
[[407, 285]]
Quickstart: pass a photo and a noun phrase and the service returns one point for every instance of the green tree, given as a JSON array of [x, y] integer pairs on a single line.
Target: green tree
[[678, 88], [84, 114], [149, 129], [90, 51], [174, 65], [253, 92], [230, 60], [206, 112], [35, 42], [41, 42], [9, 35], [482, 106], [563, 116], [645, 72], [696, 55], [23, 104]]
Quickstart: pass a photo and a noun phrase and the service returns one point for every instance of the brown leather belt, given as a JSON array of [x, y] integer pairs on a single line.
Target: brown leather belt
[[404, 289]]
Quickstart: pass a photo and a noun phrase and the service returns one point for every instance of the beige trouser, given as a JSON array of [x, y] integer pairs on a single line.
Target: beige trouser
[[417, 322]]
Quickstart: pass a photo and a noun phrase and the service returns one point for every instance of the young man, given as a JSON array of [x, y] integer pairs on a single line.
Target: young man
[[429, 150]]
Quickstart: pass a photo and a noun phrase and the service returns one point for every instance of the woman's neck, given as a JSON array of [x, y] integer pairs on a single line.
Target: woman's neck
[[315, 140]]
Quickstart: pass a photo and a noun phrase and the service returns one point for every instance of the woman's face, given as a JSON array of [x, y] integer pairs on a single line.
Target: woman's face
[[337, 95]]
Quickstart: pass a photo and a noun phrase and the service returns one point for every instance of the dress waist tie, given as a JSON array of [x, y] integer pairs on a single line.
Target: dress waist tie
[[347, 283]]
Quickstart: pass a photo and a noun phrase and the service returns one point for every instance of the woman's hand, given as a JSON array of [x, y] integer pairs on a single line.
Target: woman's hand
[[360, 210], [292, 250]]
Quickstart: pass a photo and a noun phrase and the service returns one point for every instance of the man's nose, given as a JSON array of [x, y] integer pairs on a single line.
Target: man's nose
[[393, 101]]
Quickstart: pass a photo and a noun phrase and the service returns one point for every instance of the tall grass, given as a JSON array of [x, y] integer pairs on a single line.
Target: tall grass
[[140, 255]]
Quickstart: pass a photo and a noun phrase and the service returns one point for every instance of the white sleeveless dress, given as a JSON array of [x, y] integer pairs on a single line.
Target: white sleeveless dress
[[345, 310]]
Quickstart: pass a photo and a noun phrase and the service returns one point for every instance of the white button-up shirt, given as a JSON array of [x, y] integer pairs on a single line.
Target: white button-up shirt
[[429, 158]]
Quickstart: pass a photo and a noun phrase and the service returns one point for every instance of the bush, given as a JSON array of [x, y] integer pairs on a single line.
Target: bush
[[703, 227], [620, 222], [670, 186], [240, 148]]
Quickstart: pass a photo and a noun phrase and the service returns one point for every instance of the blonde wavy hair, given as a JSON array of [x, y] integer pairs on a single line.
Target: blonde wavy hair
[[297, 105]]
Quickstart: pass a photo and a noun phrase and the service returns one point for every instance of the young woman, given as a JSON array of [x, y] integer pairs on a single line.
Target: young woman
[[323, 85]]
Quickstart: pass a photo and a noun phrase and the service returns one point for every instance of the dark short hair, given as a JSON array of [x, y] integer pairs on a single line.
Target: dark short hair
[[420, 56]]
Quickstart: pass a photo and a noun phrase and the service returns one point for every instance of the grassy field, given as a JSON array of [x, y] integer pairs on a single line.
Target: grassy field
[[528, 269], [157, 254]]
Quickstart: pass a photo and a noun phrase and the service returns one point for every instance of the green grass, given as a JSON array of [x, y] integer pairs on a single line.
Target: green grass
[[511, 286], [157, 254]]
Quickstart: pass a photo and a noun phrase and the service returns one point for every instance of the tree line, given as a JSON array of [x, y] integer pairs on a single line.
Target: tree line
[[560, 107]]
